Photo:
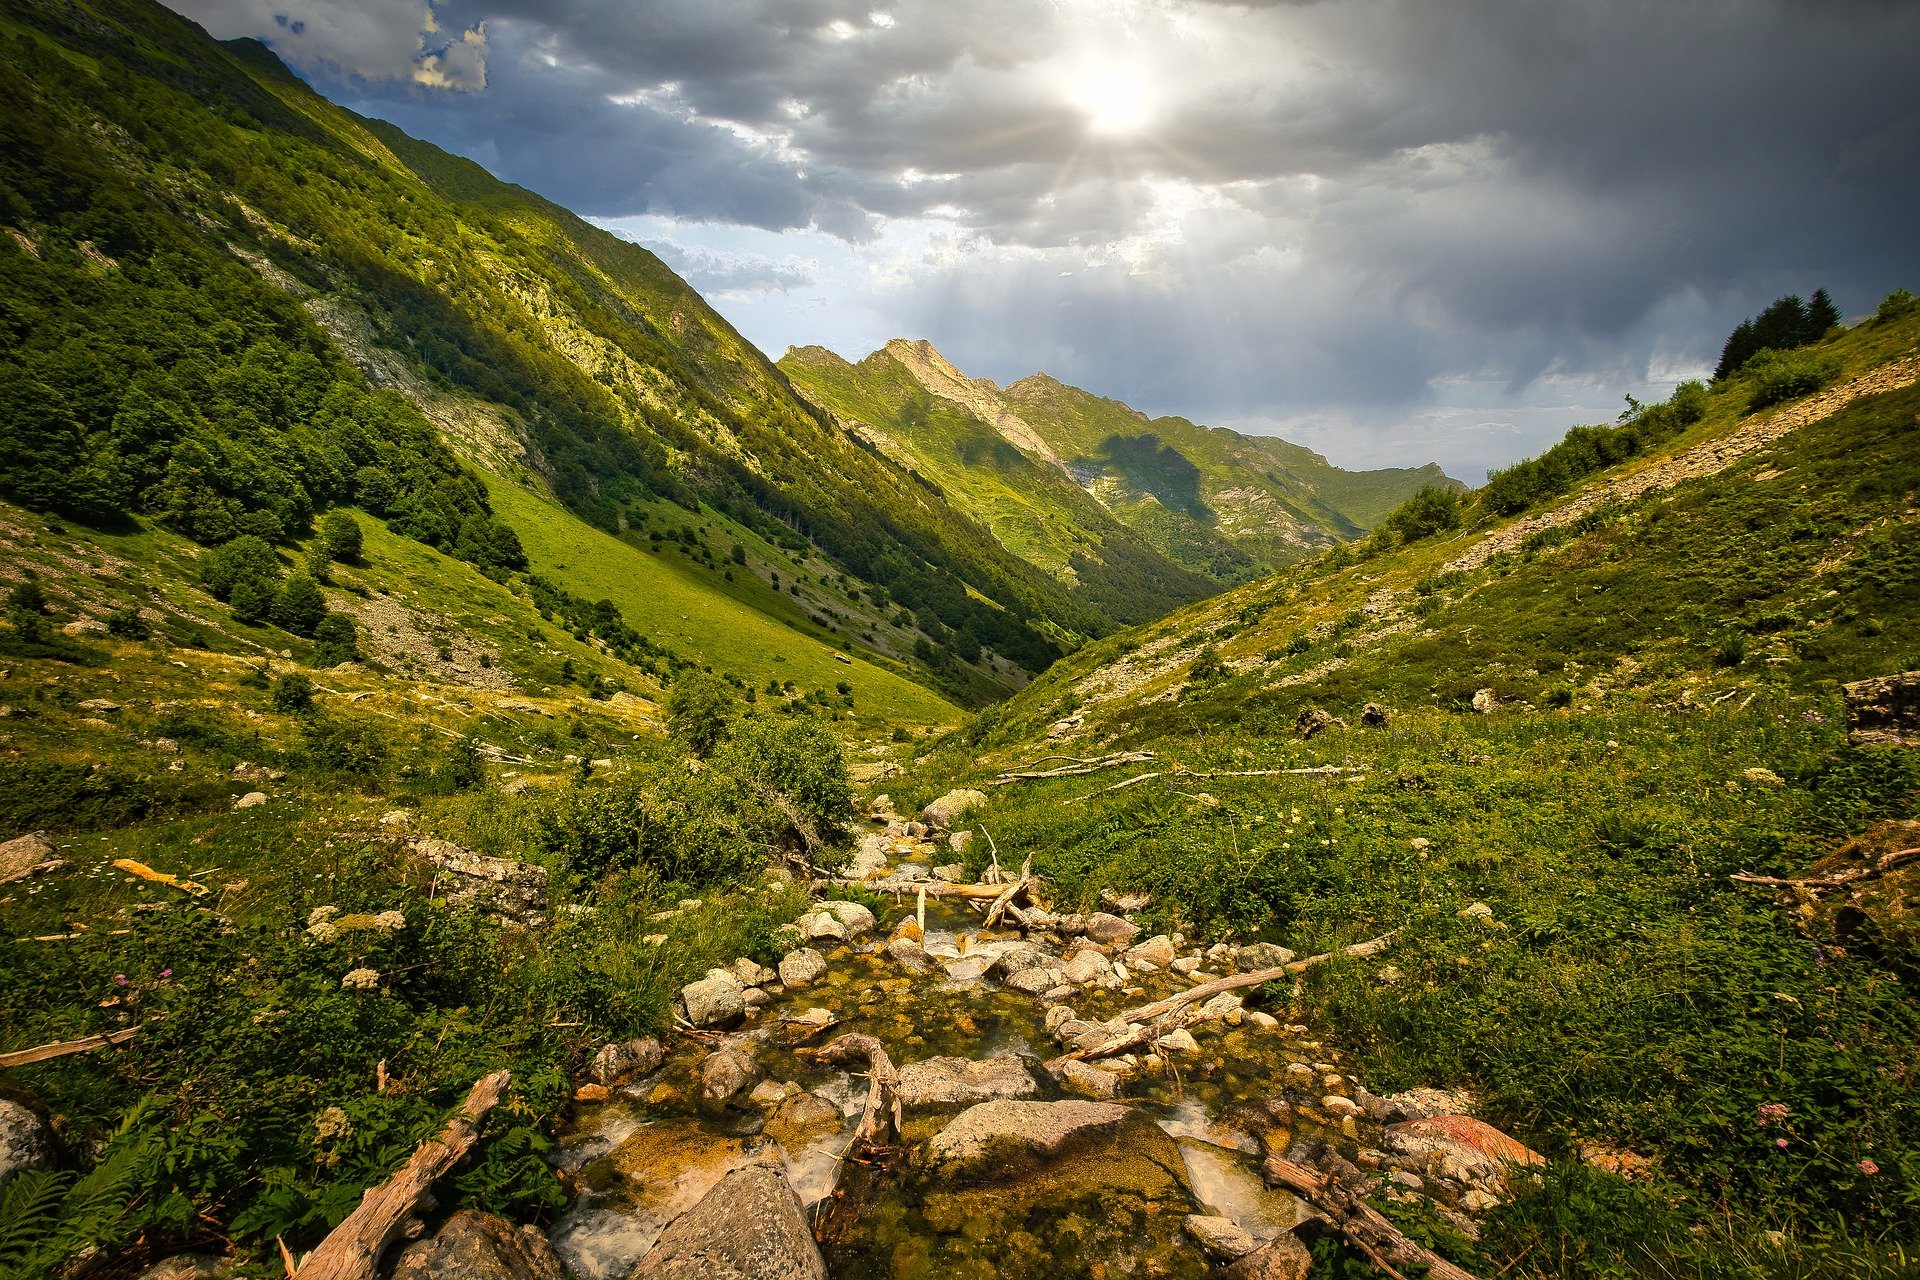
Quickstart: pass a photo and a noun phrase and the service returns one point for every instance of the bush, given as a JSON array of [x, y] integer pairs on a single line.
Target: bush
[[298, 606], [1432, 510], [128, 624], [701, 711], [291, 692], [1779, 377], [788, 780], [245, 560], [350, 746], [253, 601], [340, 537], [1896, 305], [336, 640]]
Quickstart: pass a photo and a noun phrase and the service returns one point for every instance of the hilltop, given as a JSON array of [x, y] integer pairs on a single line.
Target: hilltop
[[1136, 511]]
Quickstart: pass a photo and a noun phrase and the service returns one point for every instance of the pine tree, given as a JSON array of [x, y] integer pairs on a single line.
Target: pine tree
[[1822, 316]]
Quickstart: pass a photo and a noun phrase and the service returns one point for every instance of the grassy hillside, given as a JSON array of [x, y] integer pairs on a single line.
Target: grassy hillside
[[208, 267], [1594, 713], [1041, 458]]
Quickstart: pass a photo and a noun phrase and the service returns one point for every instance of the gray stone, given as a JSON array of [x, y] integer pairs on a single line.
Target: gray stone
[[823, 926], [749, 1227], [1282, 1258], [726, 1073], [1085, 967], [1222, 1237], [994, 1136], [1034, 982], [1311, 721], [627, 1060], [751, 973], [1884, 711], [1018, 958], [969, 968], [480, 1246], [855, 918], [1156, 951], [1263, 955], [21, 855], [714, 1001], [801, 1119], [937, 1083], [516, 891], [188, 1266], [953, 806], [1088, 1080], [909, 955], [802, 968], [1110, 930], [23, 1141], [1485, 700]]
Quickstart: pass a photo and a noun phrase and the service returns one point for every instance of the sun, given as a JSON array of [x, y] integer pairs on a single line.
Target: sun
[[1118, 96]]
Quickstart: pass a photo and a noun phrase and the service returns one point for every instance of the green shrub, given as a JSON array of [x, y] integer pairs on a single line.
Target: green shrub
[[245, 560], [1782, 376], [336, 640], [701, 711], [340, 537], [348, 745], [252, 601], [299, 606], [1431, 511], [128, 624], [1896, 305], [292, 692]]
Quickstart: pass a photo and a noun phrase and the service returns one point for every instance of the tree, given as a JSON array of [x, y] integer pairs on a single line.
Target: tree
[[700, 712], [299, 606], [340, 537], [335, 640], [1822, 315], [247, 559], [1432, 510]]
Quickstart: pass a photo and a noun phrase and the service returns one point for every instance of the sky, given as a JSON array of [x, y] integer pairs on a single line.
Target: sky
[[1395, 231]]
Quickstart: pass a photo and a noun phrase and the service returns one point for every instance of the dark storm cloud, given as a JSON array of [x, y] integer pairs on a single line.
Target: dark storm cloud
[[1319, 204]]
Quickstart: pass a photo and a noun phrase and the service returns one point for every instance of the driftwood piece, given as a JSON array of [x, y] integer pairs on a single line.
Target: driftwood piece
[[1317, 771], [352, 1250], [61, 1048], [1363, 1226], [146, 872], [1006, 896], [1838, 880], [880, 1119], [1076, 769], [1233, 982], [932, 888]]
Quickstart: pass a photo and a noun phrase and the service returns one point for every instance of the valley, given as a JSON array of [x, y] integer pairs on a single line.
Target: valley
[[498, 778]]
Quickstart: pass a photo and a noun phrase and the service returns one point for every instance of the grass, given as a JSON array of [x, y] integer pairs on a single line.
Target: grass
[[732, 626]]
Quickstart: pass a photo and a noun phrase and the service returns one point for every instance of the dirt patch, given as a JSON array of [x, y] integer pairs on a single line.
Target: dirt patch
[[420, 644]]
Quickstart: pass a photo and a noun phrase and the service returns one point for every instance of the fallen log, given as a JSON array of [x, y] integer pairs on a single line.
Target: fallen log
[[61, 1048], [1160, 1008], [1095, 765], [1838, 880], [352, 1250], [146, 872], [1362, 1226], [880, 1118], [932, 888]]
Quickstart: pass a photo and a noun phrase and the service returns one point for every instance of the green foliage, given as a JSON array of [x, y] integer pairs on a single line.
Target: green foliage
[[47, 1218], [1780, 376], [701, 711], [1431, 511], [336, 640], [245, 561], [292, 692], [1785, 325], [340, 537], [352, 747], [1585, 450], [128, 624], [298, 606], [1897, 305]]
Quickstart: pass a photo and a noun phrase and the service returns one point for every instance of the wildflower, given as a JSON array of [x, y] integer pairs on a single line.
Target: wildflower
[[1771, 1111], [166, 973], [120, 979], [1780, 1143], [1869, 1168], [361, 980]]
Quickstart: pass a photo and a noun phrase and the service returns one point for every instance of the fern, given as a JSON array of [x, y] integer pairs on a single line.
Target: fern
[[46, 1218]]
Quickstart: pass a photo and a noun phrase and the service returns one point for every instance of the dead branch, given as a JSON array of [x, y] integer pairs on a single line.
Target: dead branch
[[1160, 1008], [1317, 771], [1095, 765], [1363, 1227], [61, 1048], [1012, 891], [146, 872], [880, 1119], [932, 888], [352, 1250], [1838, 880]]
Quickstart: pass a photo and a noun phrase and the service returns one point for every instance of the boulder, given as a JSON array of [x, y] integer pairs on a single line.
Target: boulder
[[1085, 967], [480, 1246], [1263, 955], [22, 854], [251, 800], [938, 1083], [1485, 700], [869, 856], [615, 1064], [802, 968], [1157, 951], [1374, 716], [908, 954], [714, 1001], [998, 1139], [749, 1227], [959, 840], [516, 891], [943, 813], [1281, 1258], [968, 968], [1222, 1238], [1018, 958], [749, 973], [1312, 721], [801, 1119], [1035, 982], [1088, 1080], [855, 918], [1459, 1148], [23, 1140], [726, 1073], [1110, 930], [823, 926], [1884, 711]]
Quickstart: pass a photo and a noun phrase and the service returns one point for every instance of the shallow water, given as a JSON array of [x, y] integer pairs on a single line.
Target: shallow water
[[652, 1150]]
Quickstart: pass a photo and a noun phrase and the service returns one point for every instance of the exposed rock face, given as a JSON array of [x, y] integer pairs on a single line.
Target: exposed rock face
[[714, 1001], [515, 890], [1460, 1149], [21, 855], [998, 1138], [943, 813], [961, 1082], [802, 968], [618, 1063], [480, 1246], [749, 1227], [1282, 1258], [1884, 711], [23, 1140]]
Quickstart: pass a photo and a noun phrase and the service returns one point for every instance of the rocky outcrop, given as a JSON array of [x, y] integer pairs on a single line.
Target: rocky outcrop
[[23, 1140], [23, 855], [480, 1246], [1884, 711], [938, 1083], [516, 891], [1002, 1137], [616, 1064], [749, 1227], [1459, 1149]]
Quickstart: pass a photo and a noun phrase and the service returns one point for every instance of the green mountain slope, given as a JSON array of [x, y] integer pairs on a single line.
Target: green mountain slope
[[1547, 747], [1024, 461], [202, 208]]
